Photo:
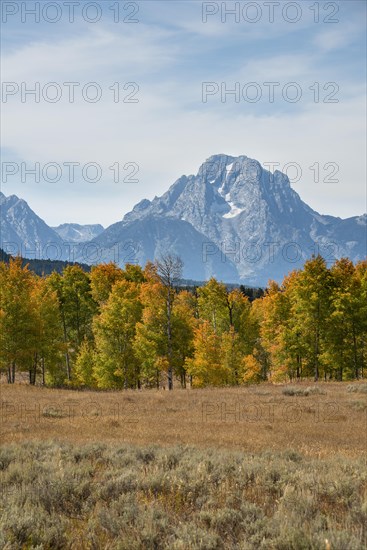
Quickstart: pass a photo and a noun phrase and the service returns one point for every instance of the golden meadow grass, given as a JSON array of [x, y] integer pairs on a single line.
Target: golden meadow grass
[[253, 418]]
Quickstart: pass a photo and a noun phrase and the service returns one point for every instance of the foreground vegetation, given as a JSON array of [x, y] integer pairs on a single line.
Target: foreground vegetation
[[61, 496], [131, 328], [271, 467]]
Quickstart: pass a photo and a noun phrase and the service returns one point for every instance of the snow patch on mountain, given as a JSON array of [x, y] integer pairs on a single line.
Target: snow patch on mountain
[[235, 211]]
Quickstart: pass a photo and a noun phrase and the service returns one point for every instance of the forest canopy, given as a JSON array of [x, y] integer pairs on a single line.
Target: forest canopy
[[114, 328]]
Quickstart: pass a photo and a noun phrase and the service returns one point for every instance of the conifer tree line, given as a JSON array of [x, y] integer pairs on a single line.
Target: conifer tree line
[[118, 328]]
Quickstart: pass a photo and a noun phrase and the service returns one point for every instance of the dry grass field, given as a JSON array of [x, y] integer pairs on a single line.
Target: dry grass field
[[258, 468], [317, 420]]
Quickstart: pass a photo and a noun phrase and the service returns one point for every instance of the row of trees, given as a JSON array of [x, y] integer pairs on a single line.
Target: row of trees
[[129, 328]]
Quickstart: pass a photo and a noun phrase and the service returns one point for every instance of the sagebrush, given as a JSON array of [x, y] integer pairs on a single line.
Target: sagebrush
[[62, 496]]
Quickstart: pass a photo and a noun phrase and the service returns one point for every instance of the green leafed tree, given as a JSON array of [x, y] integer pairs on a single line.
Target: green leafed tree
[[116, 365], [311, 309], [213, 305], [77, 308], [85, 365], [49, 347], [150, 343], [184, 323], [169, 271], [346, 325], [17, 318]]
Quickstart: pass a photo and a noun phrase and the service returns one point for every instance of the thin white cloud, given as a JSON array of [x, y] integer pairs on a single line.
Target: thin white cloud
[[98, 53], [338, 37]]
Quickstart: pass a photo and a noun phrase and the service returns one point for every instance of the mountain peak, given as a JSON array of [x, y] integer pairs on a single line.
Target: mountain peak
[[234, 203], [233, 220], [228, 189], [214, 165]]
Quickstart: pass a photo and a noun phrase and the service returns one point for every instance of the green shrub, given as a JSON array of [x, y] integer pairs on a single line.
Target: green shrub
[[311, 390], [357, 388]]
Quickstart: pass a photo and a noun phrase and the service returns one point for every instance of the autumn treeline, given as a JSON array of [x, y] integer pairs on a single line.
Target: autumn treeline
[[131, 328]]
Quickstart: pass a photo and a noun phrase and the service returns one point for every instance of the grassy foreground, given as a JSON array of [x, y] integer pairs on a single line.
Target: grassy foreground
[[316, 420], [265, 467], [61, 496]]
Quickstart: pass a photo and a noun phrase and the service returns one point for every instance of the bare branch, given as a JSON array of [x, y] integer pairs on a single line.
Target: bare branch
[[169, 269]]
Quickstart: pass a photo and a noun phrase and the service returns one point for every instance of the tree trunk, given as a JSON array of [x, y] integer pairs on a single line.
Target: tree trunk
[[137, 377], [43, 370], [362, 363], [355, 355], [11, 373], [33, 371], [236, 382], [125, 367], [68, 371], [169, 338], [67, 358], [231, 316], [317, 356]]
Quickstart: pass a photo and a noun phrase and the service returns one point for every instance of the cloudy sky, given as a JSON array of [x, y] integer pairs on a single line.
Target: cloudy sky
[[138, 93]]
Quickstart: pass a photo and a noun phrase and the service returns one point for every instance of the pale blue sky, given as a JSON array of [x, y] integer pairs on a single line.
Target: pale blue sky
[[170, 131]]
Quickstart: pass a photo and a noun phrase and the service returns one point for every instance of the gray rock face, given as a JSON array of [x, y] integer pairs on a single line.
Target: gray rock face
[[233, 220]]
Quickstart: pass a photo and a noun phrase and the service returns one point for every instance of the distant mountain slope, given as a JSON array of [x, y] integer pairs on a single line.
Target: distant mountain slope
[[73, 232], [151, 237], [25, 233]]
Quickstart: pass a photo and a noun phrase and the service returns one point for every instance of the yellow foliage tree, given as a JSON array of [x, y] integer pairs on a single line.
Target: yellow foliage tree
[[206, 366], [251, 370]]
